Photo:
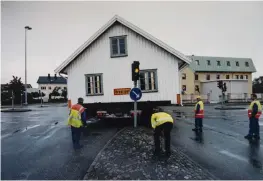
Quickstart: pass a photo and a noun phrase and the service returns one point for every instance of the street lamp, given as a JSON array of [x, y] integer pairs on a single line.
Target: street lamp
[[26, 28]]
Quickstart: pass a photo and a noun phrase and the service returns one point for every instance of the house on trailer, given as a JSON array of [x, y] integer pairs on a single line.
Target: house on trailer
[[100, 70]]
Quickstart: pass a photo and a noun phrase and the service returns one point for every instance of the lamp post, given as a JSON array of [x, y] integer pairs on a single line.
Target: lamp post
[[26, 28]]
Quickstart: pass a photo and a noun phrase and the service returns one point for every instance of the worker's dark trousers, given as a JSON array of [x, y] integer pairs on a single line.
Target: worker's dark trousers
[[76, 132], [253, 126], [166, 128], [198, 123]]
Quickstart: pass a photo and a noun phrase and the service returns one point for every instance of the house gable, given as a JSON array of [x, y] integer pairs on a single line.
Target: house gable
[[183, 60]]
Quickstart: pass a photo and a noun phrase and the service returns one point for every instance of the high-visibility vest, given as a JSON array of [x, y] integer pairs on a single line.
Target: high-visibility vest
[[200, 114], [250, 109], [160, 118], [74, 118]]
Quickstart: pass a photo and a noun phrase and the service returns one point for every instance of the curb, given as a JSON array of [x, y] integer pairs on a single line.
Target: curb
[[98, 155], [16, 110]]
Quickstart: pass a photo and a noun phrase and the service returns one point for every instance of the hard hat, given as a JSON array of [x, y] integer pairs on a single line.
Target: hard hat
[[198, 97]]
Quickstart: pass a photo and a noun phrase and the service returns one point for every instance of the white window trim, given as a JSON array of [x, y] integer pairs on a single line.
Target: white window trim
[[118, 44], [154, 80], [91, 78]]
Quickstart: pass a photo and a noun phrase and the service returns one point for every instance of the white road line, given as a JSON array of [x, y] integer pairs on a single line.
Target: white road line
[[232, 155]]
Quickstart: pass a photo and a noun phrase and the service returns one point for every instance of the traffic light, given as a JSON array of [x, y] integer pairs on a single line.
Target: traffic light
[[48, 77], [220, 84], [135, 70]]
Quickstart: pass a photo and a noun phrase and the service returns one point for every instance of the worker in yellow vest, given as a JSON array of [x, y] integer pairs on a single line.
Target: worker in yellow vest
[[254, 112], [76, 120], [162, 122], [199, 115]]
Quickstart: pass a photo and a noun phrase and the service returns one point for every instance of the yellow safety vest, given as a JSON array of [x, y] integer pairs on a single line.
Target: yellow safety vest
[[250, 109], [74, 118], [200, 114], [160, 118]]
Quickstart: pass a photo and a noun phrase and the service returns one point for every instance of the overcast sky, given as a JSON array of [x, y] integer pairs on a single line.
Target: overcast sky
[[233, 29]]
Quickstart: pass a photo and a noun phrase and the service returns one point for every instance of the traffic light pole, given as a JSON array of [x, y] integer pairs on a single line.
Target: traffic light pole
[[135, 108]]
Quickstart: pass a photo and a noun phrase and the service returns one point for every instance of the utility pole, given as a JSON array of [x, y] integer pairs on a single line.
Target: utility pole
[[26, 28]]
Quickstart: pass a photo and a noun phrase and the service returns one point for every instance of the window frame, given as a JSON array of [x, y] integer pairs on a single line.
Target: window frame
[[247, 64], [101, 84], [227, 76], [217, 76], [206, 77], [208, 62], [228, 63], [246, 77], [241, 77], [237, 63], [183, 77], [118, 45], [197, 77], [237, 77], [197, 62], [185, 87], [155, 80], [218, 63]]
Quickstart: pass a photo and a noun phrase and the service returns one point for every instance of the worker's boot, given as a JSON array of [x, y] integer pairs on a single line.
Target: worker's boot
[[248, 137]]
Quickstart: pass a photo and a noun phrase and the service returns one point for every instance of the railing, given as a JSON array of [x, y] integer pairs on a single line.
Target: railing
[[230, 97]]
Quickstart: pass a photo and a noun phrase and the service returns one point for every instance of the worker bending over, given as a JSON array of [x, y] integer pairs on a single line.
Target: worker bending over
[[162, 122]]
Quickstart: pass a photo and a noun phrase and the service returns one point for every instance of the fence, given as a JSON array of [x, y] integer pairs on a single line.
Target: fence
[[230, 97]]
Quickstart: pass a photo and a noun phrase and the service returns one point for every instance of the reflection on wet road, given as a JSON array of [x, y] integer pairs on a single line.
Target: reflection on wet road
[[221, 148]]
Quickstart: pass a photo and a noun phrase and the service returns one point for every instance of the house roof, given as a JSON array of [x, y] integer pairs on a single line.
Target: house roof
[[129, 25], [224, 67], [44, 80]]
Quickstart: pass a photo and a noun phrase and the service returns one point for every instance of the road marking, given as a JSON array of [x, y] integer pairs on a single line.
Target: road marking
[[232, 155], [29, 127]]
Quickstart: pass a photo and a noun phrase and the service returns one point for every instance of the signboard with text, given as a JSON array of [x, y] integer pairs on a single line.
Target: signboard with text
[[121, 91]]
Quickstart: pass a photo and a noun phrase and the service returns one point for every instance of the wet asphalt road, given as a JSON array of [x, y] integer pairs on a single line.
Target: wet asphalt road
[[37, 145], [223, 151]]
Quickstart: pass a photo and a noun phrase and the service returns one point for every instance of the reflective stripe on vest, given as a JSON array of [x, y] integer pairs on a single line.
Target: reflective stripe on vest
[[168, 119], [200, 114], [250, 109]]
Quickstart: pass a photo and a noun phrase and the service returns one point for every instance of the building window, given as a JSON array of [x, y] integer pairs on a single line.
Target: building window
[[94, 84], [197, 88], [65, 87], [237, 64], [241, 77], [207, 77], [118, 46], [237, 76], [228, 63], [218, 63], [43, 88], [49, 88], [217, 76], [247, 64], [246, 76], [148, 80], [197, 62], [196, 77], [208, 62], [184, 76], [227, 76], [184, 87]]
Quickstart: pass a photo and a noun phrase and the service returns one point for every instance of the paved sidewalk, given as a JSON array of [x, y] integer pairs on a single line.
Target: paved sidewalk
[[129, 156]]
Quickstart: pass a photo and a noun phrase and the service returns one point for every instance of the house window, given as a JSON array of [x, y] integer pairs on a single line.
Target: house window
[[197, 88], [217, 76], [196, 76], [184, 76], [237, 76], [228, 63], [247, 64], [197, 62], [148, 80], [208, 62], [43, 88], [65, 87], [94, 84], [237, 64], [227, 76], [241, 77], [184, 87], [49, 88], [118, 46], [218, 63], [246, 76], [207, 77]]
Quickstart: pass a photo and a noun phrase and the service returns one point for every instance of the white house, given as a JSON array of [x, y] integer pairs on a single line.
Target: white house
[[101, 67], [47, 86]]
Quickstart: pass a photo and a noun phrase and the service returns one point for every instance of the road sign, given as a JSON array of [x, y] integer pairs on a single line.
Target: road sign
[[136, 94]]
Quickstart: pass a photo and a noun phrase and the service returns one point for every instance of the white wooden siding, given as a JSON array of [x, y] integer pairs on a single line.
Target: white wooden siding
[[117, 71]]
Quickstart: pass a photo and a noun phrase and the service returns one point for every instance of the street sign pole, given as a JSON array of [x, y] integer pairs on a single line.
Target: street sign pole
[[135, 107]]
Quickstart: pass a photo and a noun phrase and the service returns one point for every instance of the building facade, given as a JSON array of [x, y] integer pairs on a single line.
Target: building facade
[[201, 76], [100, 69], [47, 86]]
